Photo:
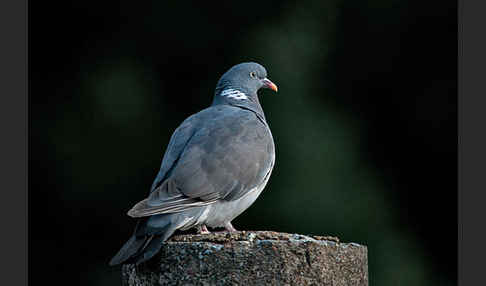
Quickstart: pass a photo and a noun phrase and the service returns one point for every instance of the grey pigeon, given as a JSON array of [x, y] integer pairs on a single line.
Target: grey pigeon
[[216, 165]]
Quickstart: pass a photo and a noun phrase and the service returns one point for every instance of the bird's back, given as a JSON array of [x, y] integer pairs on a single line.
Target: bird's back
[[230, 151]]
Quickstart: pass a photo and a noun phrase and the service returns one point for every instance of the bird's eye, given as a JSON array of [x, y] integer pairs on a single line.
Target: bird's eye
[[253, 74]]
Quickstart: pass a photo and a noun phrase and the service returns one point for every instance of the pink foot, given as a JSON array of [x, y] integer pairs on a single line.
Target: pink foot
[[229, 227], [202, 229]]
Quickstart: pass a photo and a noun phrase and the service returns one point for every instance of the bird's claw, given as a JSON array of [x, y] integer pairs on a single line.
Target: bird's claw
[[202, 229], [229, 227]]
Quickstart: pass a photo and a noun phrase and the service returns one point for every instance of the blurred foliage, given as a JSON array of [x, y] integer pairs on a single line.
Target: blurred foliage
[[106, 99]]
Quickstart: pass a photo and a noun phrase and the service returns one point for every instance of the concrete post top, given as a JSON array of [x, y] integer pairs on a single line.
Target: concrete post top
[[253, 258]]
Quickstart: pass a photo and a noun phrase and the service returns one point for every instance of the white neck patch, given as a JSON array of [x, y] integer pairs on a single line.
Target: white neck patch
[[233, 93]]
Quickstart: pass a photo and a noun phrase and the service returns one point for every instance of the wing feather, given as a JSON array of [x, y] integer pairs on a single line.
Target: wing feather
[[218, 153]]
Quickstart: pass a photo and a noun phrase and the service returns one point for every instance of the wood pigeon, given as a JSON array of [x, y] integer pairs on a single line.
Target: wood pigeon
[[216, 165]]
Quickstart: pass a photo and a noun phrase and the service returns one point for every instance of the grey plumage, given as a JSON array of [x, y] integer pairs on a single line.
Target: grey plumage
[[216, 164]]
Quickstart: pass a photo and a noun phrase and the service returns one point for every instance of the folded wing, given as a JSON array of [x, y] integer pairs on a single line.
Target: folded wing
[[220, 156]]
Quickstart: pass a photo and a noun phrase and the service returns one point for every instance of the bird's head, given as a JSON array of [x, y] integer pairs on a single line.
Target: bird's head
[[242, 82]]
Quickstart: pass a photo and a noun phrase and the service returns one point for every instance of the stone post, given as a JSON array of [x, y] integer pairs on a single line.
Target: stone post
[[252, 258]]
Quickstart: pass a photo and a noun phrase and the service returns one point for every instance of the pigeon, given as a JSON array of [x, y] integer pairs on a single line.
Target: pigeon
[[217, 163]]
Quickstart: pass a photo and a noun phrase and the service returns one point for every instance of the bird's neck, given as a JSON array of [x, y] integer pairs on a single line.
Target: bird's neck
[[239, 98], [253, 107]]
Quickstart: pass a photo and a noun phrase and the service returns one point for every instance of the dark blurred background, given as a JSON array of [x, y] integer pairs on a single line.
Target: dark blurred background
[[364, 123]]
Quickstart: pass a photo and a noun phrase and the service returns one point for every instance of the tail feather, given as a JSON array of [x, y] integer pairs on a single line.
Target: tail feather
[[152, 248], [146, 240], [129, 249]]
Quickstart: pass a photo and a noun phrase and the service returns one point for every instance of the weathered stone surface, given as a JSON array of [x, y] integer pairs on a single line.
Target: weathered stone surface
[[252, 258]]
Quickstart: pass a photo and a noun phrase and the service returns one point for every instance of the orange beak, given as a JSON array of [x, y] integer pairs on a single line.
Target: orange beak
[[270, 85]]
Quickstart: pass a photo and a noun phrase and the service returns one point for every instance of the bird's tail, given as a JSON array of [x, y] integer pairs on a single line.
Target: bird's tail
[[129, 249], [144, 243]]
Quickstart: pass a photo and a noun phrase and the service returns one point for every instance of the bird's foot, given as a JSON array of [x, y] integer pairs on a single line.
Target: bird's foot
[[229, 227], [202, 229]]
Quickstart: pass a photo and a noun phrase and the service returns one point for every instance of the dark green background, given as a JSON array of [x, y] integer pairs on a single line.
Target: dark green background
[[365, 123]]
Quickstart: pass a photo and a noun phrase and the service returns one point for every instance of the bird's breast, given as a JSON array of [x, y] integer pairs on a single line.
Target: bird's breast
[[222, 212]]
